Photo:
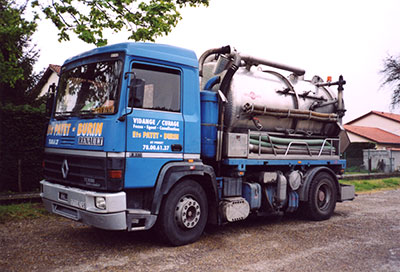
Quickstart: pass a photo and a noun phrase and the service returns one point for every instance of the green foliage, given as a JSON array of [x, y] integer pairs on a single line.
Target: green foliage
[[146, 20], [17, 56], [22, 138], [14, 32], [21, 211], [391, 72], [391, 182], [374, 184]]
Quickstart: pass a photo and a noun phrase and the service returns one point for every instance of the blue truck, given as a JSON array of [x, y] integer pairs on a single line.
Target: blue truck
[[145, 135]]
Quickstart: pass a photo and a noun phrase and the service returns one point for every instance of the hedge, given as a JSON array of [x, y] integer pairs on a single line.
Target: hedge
[[21, 138]]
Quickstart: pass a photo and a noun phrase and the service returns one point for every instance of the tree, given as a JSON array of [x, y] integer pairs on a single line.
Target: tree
[[391, 72], [17, 55], [145, 20]]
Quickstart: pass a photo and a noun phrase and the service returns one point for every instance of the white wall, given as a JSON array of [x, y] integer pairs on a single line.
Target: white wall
[[385, 156], [377, 121], [354, 138], [52, 79]]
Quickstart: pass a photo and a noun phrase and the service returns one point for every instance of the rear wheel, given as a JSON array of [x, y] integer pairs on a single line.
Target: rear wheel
[[321, 197], [183, 215]]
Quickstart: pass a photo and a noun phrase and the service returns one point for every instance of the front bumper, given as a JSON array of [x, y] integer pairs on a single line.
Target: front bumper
[[79, 205], [114, 221]]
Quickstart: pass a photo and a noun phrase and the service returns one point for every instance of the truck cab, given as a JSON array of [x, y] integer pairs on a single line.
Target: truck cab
[[121, 114]]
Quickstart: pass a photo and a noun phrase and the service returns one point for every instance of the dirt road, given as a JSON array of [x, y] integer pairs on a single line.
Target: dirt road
[[363, 235]]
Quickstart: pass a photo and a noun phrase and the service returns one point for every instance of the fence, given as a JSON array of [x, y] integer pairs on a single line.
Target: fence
[[374, 161]]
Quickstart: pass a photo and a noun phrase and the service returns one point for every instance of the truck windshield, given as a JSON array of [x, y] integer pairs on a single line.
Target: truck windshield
[[89, 89]]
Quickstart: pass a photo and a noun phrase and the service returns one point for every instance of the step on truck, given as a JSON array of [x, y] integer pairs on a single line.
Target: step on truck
[[144, 135]]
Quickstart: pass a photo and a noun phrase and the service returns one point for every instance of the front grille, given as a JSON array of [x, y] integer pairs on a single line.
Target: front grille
[[67, 141], [79, 171]]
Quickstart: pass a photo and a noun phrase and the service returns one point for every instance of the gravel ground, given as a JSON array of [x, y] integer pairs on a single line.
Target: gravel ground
[[363, 235]]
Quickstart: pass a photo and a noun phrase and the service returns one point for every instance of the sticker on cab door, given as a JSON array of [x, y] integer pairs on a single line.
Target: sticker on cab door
[[155, 134]]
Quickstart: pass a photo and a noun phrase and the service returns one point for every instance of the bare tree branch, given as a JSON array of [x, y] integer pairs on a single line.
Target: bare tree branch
[[391, 72]]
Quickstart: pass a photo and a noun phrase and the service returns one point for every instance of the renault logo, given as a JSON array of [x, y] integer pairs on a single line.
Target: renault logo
[[64, 169]]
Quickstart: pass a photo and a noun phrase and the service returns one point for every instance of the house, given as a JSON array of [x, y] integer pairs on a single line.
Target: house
[[389, 122], [375, 141], [49, 77], [381, 138]]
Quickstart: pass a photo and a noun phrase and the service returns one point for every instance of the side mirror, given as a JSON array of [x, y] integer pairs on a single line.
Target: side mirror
[[136, 92], [50, 99]]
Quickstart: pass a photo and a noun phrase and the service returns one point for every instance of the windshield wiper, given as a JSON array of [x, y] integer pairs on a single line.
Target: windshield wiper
[[83, 114], [90, 115], [59, 116]]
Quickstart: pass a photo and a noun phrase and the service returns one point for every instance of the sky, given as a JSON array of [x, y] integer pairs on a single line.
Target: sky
[[324, 37]]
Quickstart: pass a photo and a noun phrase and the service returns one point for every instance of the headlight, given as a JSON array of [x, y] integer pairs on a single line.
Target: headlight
[[100, 202]]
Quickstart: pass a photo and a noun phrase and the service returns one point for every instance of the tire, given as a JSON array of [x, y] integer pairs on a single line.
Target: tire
[[183, 214], [321, 197]]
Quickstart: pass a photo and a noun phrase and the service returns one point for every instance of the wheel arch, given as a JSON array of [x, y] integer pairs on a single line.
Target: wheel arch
[[174, 173], [310, 175]]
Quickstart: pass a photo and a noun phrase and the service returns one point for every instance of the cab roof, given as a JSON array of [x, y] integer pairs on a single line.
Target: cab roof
[[147, 50]]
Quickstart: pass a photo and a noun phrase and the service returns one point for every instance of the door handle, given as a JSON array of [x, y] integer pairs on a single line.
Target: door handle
[[176, 147]]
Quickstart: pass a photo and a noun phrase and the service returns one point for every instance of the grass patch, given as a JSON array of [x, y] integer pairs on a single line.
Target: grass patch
[[21, 211], [374, 184], [359, 170], [357, 173]]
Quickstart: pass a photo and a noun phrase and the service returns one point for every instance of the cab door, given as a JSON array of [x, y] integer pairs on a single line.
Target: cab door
[[155, 127]]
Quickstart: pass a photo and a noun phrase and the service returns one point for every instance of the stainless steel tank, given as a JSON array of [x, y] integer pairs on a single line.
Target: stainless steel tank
[[263, 99]]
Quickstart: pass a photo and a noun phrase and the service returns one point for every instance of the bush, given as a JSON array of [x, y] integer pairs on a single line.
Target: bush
[[21, 138]]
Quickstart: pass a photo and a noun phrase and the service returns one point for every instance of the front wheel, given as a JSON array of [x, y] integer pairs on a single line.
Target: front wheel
[[321, 197], [183, 215]]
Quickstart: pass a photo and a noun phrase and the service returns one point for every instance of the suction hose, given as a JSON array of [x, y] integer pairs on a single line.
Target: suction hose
[[224, 87], [229, 74], [221, 50]]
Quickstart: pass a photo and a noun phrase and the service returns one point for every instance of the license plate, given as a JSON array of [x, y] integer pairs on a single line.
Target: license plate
[[63, 196]]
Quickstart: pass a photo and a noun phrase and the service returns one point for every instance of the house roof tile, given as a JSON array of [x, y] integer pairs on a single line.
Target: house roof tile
[[391, 116], [55, 68], [374, 134]]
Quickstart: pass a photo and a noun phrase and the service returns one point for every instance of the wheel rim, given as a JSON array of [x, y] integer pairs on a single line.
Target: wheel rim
[[324, 195], [187, 212]]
